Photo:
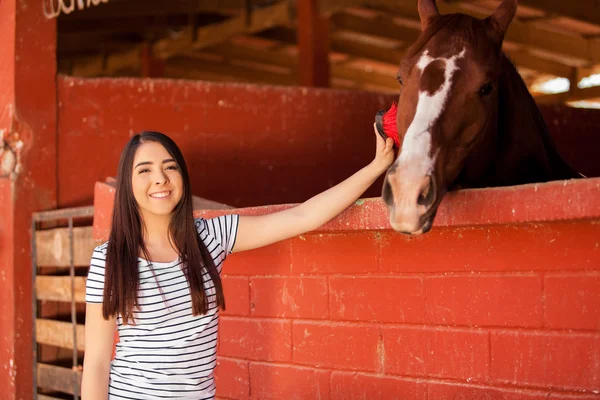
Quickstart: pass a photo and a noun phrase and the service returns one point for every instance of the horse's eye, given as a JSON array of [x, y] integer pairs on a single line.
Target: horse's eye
[[399, 79], [486, 89]]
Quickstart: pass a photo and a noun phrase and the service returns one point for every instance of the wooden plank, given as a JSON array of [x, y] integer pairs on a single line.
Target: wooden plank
[[148, 8], [388, 29], [58, 288], [44, 397], [526, 60], [58, 333], [586, 10], [284, 57], [313, 45], [519, 32], [576, 94], [206, 36], [52, 247], [60, 379]]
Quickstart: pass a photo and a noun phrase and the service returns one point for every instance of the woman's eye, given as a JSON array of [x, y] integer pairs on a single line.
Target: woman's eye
[[173, 167], [486, 89], [399, 79], [141, 171]]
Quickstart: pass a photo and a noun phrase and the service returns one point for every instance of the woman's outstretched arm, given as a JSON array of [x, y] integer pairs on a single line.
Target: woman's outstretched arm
[[262, 230]]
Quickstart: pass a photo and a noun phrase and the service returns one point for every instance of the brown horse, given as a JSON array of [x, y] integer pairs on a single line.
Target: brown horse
[[465, 118]]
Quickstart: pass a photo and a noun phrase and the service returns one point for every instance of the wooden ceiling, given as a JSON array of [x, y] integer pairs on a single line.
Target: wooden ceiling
[[352, 44]]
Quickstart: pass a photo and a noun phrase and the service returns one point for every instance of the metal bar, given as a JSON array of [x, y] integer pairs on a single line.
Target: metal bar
[[34, 305], [73, 307], [74, 212]]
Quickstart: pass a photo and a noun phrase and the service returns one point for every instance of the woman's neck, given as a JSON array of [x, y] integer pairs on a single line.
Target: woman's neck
[[157, 238]]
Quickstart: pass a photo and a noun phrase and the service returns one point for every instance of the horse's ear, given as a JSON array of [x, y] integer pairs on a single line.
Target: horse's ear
[[427, 10], [502, 17]]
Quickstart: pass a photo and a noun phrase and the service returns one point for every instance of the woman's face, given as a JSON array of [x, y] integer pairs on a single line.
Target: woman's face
[[156, 180]]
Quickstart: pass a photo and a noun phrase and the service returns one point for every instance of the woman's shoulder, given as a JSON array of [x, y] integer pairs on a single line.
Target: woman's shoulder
[[100, 251]]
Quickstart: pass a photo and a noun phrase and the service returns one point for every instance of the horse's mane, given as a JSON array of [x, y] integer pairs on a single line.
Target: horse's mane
[[521, 124]]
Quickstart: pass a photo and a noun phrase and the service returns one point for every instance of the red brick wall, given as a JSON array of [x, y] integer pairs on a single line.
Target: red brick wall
[[479, 312], [501, 300]]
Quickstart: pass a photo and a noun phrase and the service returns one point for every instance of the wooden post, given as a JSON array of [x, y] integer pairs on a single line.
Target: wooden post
[[313, 45], [28, 113], [151, 66]]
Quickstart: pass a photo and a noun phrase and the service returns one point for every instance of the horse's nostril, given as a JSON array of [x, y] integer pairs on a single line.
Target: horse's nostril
[[427, 193]]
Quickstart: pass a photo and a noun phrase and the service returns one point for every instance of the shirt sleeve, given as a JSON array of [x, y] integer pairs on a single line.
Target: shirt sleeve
[[94, 286], [223, 229]]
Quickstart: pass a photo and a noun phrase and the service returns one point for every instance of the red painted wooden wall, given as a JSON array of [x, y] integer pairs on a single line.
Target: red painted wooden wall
[[247, 145]]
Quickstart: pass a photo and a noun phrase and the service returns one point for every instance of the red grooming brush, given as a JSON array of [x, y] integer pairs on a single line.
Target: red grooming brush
[[386, 124]]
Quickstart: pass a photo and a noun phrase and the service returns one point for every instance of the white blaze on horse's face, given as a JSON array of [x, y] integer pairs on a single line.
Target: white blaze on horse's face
[[413, 172]]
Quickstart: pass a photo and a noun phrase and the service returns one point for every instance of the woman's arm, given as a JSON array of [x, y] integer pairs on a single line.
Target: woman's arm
[[262, 230], [99, 341]]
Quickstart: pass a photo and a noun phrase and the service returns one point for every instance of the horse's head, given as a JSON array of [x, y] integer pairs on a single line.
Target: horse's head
[[449, 80]]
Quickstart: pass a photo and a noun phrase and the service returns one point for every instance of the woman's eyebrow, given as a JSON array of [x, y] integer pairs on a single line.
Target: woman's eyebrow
[[150, 162], [144, 163]]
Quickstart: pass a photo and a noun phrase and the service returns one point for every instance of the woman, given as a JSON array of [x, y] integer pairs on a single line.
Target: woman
[[157, 279]]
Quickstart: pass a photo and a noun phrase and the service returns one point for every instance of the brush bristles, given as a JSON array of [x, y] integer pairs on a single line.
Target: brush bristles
[[389, 124]]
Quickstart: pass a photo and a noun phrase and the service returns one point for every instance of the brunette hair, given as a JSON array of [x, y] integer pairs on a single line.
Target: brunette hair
[[122, 280]]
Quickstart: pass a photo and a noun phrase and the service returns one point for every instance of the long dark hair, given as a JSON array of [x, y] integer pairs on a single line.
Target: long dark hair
[[122, 280]]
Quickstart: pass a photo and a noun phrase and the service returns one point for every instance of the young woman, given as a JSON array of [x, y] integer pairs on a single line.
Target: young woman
[[157, 279]]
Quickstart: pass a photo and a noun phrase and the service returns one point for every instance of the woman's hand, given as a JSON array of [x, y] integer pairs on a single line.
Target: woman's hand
[[384, 155]]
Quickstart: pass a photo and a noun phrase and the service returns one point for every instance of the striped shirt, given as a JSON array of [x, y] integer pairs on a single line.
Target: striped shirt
[[167, 352]]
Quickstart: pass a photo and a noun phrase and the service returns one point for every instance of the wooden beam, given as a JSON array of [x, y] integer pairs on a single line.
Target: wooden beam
[[526, 60], [519, 32], [44, 397], [586, 11], [204, 69], [146, 8], [576, 94], [354, 48], [58, 288], [313, 45], [379, 26], [59, 334], [52, 247], [387, 28], [285, 57], [59, 379], [206, 36]]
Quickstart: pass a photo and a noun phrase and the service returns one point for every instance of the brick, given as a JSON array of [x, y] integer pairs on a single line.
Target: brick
[[457, 391], [274, 259], [385, 299], [350, 385], [336, 345], [336, 253], [237, 295], [291, 297], [270, 381], [437, 352], [232, 378], [255, 339], [539, 247], [573, 302], [546, 359], [485, 300], [570, 396]]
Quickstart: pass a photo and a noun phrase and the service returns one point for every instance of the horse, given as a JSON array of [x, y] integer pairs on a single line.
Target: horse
[[464, 119]]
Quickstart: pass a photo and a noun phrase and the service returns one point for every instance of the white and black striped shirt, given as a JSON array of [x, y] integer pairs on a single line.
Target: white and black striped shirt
[[167, 352]]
